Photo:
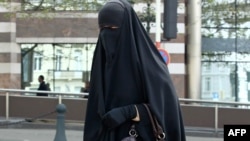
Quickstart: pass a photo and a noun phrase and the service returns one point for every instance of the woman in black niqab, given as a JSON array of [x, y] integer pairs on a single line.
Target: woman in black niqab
[[128, 71]]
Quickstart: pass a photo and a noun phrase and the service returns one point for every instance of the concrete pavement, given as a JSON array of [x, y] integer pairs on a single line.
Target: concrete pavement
[[45, 130], [71, 135]]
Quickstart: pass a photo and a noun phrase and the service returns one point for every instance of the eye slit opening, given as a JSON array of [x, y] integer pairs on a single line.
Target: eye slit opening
[[109, 26]]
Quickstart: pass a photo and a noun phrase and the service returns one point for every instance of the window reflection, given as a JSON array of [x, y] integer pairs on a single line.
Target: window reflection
[[216, 81], [225, 50], [64, 66]]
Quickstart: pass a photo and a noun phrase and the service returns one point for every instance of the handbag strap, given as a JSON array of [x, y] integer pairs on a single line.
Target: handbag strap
[[157, 129]]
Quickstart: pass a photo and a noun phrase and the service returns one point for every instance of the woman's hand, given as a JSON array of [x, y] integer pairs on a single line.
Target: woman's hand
[[117, 116], [137, 118]]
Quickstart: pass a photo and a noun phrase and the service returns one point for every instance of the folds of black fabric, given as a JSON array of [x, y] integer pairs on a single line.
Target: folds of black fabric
[[128, 69]]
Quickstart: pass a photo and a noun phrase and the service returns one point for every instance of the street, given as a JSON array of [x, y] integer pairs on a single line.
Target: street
[[71, 135]]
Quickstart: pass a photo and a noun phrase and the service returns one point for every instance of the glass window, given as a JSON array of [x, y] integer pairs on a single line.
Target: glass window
[[58, 59], [78, 60], [38, 60], [64, 66], [219, 14], [216, 83], [206, 66], [243, 45], [242, 13], [226, 47], [207, 83]]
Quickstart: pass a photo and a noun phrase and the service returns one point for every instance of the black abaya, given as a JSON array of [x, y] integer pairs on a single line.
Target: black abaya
[[127, 70]]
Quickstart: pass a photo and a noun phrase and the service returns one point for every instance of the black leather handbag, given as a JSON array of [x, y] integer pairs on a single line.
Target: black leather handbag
[[132, 134], [157, 129]]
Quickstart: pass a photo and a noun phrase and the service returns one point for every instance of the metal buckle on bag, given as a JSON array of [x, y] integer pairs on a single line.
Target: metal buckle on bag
[[132, 131], [161, 136]]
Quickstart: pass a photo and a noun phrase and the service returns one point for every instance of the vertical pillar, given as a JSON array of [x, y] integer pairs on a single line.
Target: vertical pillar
[[194, 48], [10, 53], [60, 125], [158, 24]]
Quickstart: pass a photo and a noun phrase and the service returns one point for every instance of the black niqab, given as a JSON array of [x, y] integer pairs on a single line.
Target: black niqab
[[128, 69], [111, 14]]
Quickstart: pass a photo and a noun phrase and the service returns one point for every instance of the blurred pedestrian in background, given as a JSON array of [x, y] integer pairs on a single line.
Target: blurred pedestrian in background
[[42, 86]]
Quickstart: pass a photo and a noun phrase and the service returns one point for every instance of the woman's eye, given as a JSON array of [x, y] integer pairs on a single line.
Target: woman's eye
[[109, 27]]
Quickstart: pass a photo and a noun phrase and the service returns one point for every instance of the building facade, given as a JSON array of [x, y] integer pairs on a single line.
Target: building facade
[[31, 45]]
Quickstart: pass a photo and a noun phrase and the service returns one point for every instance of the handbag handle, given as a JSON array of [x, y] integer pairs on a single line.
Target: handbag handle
[[157, 129]]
